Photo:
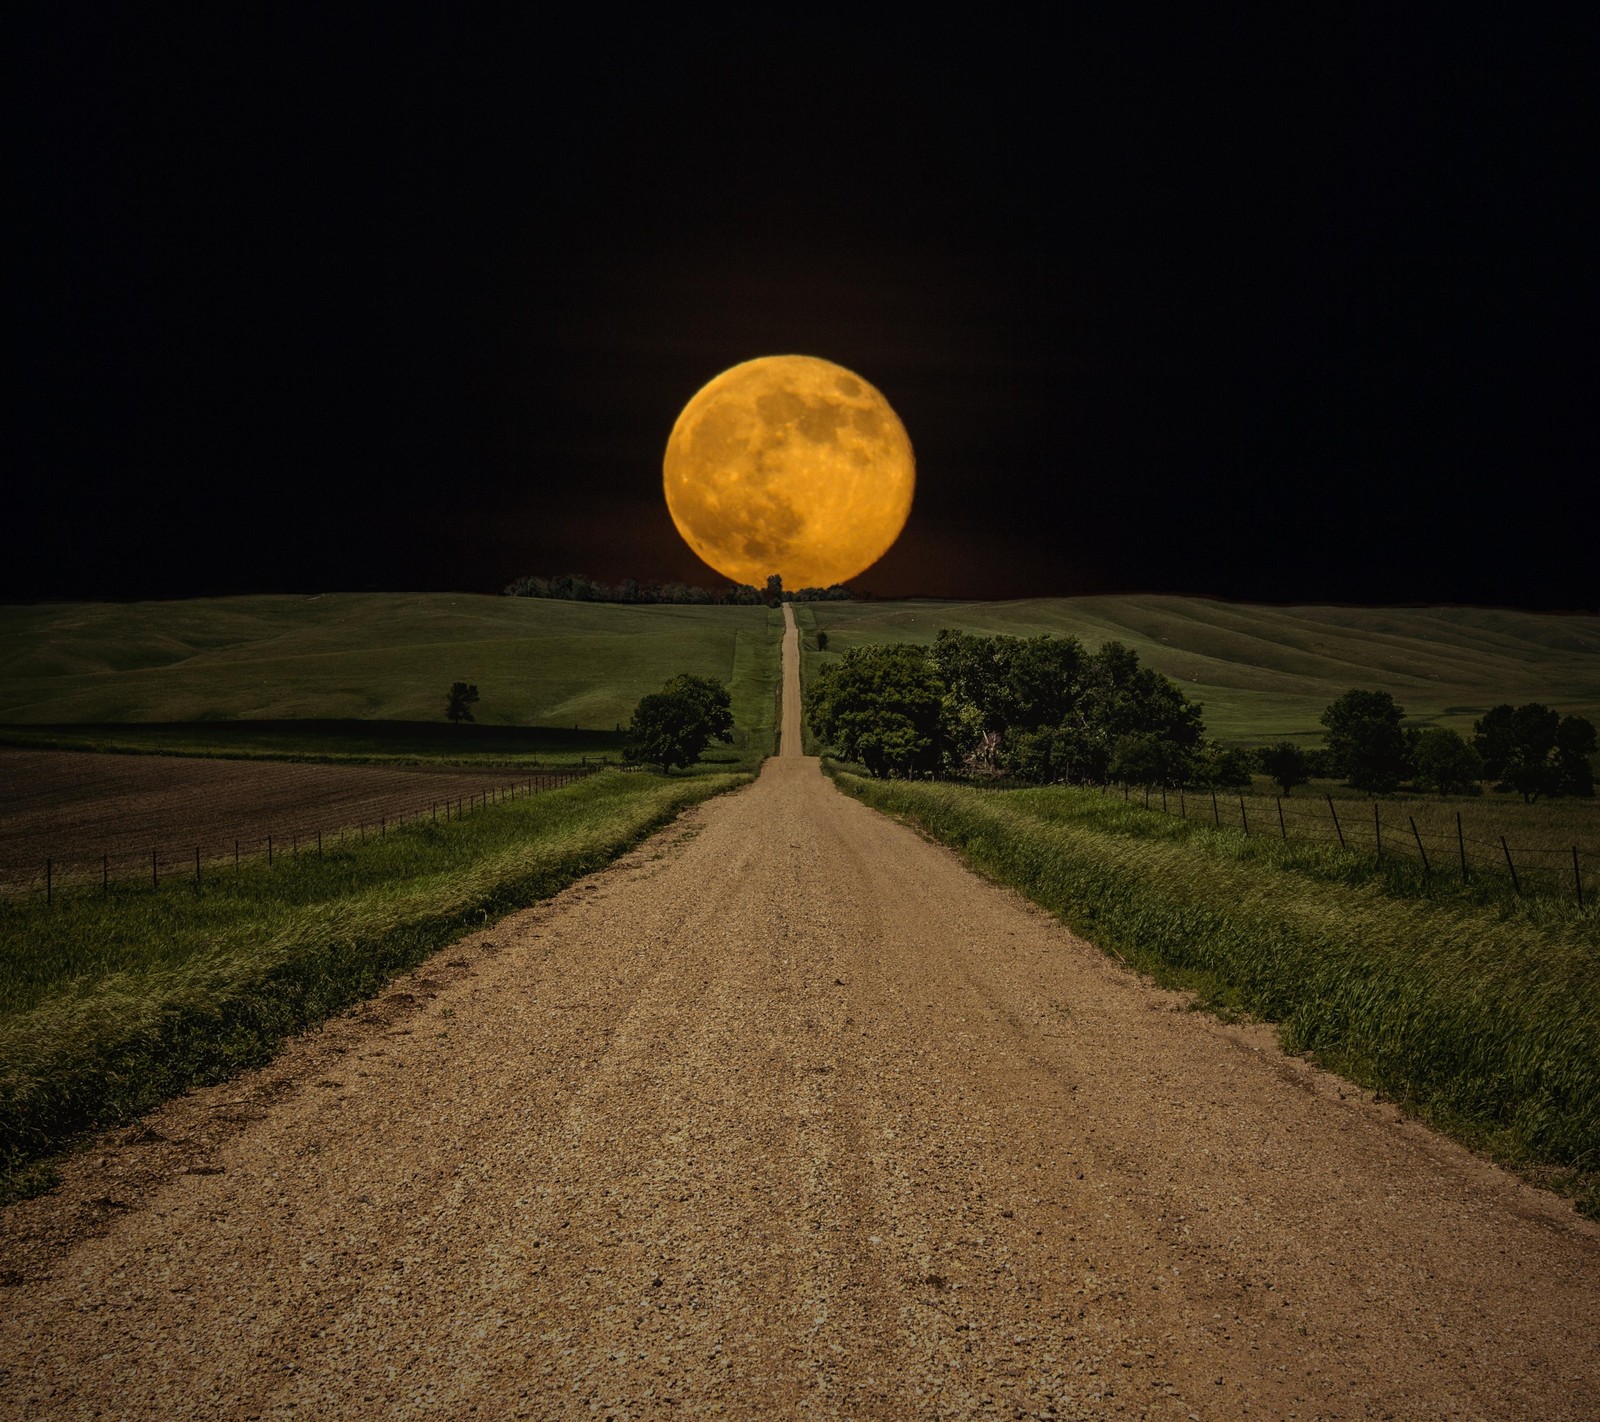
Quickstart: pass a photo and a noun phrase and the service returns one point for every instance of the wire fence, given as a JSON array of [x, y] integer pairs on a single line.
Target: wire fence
[[1447, 842], [213, 855]]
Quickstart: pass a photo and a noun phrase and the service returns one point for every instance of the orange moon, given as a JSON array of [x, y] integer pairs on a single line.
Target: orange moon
[[789, 465]]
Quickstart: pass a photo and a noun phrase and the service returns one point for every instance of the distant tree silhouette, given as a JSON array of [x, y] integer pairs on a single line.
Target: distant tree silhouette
[[1286, 764], [462, 698]]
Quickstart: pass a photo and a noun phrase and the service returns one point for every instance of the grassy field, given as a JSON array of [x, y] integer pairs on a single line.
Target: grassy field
[[1540, 837], [1482, 1017], [240, 676], [108, 1004], [1268, 672]]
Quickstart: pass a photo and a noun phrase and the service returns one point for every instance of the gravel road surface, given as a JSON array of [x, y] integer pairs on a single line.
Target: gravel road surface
[[789, 1114]]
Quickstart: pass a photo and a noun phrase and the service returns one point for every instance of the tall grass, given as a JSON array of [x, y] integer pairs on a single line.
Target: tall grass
[[108, 1004], [1485, 1020]]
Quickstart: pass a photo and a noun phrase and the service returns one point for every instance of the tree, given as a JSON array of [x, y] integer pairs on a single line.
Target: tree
[[822, 641], [1220, 768], [1286, 764], [882, 706], [461, 701], [774, 589], [1575, 744], [673, 726], [1144, 758], [1365, 740], [1536, 751], [1445, 761]]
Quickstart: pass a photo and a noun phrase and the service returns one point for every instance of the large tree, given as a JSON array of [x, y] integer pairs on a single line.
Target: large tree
[[1444, 761], [1365, 741], [1535, 750], [673, 726], [882, 706]]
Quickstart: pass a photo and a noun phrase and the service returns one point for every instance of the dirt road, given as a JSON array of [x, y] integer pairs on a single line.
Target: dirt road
[[788, 1114]]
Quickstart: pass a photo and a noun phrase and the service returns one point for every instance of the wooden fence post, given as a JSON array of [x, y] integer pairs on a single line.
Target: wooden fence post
[[1183, 808], [1377, 829], [319, 844], [1461, 845], [105, 873], [1281, 828], [1426, 868], [1509, 865], [1163, 799], [1337, 829], [1244, 820], [1577, 876], [1216, 815]]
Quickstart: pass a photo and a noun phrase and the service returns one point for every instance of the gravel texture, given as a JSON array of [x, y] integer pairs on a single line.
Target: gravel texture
[[789, 1114]]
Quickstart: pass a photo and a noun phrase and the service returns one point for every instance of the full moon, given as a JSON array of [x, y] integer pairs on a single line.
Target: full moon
[[789, 465]]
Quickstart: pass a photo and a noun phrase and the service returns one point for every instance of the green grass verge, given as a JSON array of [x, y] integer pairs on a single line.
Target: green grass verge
[[1266, 673], [108, 1005], [1483, 1020]]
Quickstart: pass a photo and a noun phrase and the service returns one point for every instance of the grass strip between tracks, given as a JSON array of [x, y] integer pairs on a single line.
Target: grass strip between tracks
[[109, 1004], [1486, 1024]]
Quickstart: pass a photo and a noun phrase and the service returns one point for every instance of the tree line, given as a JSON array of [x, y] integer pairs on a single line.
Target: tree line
[[576, 587], [1049, 710]]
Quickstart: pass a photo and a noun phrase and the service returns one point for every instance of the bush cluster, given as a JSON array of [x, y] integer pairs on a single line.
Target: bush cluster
[[1529, 749], [1038, 708]]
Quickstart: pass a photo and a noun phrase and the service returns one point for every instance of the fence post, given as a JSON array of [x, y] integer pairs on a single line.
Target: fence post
[[269, 851], [1163, 799], [236, 856], [1577, 876], [105, 873], [1183, 808], [1216, 814], [1427, 869], [1377, 829], [1337, 829], [383, 827], [1509, 865], [296, 844], [1281, 829], [1147, 797], [319, 844], [1243, 818], [49, 880], [1461, 845]]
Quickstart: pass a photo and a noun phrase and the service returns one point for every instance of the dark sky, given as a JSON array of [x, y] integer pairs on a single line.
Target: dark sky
[[1297, 304]]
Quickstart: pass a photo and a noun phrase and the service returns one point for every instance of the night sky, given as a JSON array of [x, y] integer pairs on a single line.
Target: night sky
[[1297, 305]]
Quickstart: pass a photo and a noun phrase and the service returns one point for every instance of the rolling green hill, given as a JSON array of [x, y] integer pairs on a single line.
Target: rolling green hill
[[366, 657], [1264, 672]]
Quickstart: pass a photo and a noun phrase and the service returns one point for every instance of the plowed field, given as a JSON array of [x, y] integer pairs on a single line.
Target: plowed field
[[75, 808]]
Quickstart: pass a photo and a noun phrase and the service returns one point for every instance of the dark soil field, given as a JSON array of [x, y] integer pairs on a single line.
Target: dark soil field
[[75, 808]]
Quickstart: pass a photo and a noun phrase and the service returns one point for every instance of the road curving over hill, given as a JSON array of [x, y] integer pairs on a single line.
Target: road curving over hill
[[789, 1114]]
